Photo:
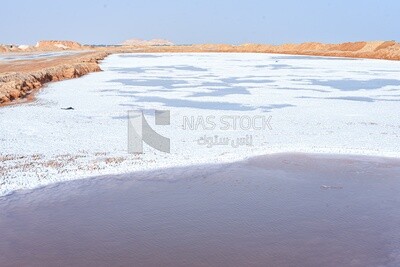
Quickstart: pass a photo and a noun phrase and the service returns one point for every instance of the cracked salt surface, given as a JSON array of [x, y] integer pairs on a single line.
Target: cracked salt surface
[[317, 105]]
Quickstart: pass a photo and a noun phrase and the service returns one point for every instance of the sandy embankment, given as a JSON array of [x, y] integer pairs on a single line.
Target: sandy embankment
[[21, 77], [388, 50]]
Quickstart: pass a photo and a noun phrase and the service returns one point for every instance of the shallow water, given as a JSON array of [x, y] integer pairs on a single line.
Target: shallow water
[[280, 210]]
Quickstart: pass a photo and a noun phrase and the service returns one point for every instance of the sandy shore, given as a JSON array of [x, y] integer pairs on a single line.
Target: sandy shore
[[19, 78]]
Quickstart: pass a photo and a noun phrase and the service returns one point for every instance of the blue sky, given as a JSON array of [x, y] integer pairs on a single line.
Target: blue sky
[[206, 21]]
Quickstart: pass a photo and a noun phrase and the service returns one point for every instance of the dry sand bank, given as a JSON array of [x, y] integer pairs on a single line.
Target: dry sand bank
[[389, 50], [21, 77]]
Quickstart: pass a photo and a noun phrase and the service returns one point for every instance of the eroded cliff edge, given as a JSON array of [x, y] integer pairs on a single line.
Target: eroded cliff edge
[[19, 79]]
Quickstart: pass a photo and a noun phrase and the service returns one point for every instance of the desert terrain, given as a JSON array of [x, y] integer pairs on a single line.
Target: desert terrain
[[21, 72]]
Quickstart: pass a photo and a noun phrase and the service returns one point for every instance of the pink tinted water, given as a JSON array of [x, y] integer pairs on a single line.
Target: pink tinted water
[[281, 210]]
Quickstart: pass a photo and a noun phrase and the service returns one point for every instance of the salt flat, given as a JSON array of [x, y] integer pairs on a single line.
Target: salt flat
[[313, 104]]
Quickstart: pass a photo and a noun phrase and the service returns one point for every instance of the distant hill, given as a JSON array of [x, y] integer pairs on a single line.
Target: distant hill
[[55, 44], [153, 42]]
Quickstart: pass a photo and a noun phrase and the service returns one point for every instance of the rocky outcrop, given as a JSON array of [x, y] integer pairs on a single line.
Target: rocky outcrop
[[9, 48], [153, 42], [42, 46], [57, 45]]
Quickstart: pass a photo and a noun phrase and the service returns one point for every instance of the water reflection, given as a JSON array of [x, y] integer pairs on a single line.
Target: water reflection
[[279, 210]]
